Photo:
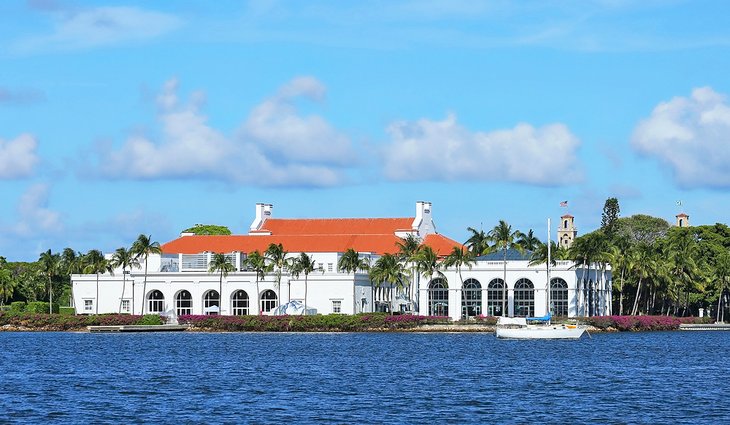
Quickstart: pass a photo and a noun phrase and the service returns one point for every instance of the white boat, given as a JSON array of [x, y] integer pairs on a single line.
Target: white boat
[[518, 328]]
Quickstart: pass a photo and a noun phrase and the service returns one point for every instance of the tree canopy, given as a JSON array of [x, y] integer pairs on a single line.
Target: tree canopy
[[208, 229]]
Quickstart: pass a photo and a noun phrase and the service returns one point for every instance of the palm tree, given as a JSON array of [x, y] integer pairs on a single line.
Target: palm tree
[[644, 262], [124, 258], [504, 238], [428, 263], [682, 250], [350, 262], [407, 250], [388, 269], [95, 263], [529, 241], [478, 242], [460, 257], [304, 264], [257, 262], [276, 256], [7, 283], [722, 272], [49, 263], [143, 247], [220, 263], [71, 264]]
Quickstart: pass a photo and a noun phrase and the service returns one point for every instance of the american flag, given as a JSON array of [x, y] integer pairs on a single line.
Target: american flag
[[564, 204]]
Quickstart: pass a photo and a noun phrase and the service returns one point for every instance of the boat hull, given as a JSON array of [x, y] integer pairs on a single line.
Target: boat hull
[[541, 332]]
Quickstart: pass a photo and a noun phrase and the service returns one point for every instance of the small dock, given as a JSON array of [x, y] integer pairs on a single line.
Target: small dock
[[705, 327], [138, 328]]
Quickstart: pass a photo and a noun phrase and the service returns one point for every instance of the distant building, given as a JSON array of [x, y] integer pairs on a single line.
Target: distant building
[[178, 281], [682, 220]]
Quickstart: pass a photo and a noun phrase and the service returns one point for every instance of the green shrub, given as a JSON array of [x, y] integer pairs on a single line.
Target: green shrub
[[17, 306], [66, 311], [150, 319]]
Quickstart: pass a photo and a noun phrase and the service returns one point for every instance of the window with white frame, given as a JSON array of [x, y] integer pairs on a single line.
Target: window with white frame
[[125, 306], [239, 303], [336, 306], [211, 303], [329, 267], [88, 305], [156, 302]]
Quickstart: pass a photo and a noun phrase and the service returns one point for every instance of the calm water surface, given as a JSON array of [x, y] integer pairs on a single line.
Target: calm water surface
[[668, 377]]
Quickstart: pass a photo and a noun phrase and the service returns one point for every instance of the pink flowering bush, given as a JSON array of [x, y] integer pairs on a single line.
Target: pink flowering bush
[[56, 322], [641, 323]]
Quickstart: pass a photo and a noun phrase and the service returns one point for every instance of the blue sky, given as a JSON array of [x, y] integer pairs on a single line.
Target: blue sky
[[121, 118]]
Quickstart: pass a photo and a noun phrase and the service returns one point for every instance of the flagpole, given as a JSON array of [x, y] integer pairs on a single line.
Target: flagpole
[[547, 291]]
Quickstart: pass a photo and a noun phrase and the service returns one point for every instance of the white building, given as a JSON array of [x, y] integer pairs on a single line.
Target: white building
[[178, 281]]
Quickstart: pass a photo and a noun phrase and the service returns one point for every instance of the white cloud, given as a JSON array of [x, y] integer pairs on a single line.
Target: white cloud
[[691, 136], [34, 216], [18, 157], [276, 145], [444, 150], [87, 28]]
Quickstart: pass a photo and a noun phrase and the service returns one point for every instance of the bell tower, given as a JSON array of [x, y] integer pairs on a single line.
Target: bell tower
[[682, 220], [566, 231]]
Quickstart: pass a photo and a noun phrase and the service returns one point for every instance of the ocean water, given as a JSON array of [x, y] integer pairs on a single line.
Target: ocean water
[[363, 378]]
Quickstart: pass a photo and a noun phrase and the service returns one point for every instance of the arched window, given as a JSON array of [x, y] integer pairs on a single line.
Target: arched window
[[558, 297], [183, 303], [495, 291], [471, 298], [156, 302], [524, 298], [438, 298], [212, 303], [239, 303], [268, 300]]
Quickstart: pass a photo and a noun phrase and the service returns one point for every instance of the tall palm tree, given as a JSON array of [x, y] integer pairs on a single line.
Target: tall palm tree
[[682, 251], [504, 238], [458, 258], [257, 262], [276, 255], [350, 262], [722, 273], [95, 263], [428, 264], [124, 258], [407, 250], [529, 241], [49, 263], [71, 264], [387, 269], [478, 241], [223, 265], [644, 262], [144, 246], [304, 264]]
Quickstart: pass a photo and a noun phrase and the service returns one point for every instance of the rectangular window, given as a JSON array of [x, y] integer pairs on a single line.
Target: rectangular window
[[329, 267], [336, 306], [125, 306], [320, 266], [89, 305]]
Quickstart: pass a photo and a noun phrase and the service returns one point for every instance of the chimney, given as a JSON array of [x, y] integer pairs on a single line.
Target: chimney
[[423, 223], [263, 212]]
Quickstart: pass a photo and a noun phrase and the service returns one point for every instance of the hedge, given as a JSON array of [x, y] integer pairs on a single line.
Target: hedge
[[316, 323], [60, 322], [641, 323]]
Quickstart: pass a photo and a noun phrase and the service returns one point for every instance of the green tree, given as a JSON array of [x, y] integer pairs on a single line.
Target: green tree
[[504, 238], [143, 247], [642, 228], [306, 265], [478, 241], [458, 258], [429, 264], [722, 274], [277, 257], [125, 259], [528, 241], [95, 263], [7, 283], [407, 250], [387, 269], [609, 218], [49, 263], [350, 262], [208, 229], [257, 263], [220, 263]]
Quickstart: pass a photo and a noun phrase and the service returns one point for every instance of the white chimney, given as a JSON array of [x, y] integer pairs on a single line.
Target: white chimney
[[263, 212], [423, 223]]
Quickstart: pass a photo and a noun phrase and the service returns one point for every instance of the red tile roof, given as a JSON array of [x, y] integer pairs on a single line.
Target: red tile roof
[[378, 244], [336, 226]]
